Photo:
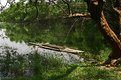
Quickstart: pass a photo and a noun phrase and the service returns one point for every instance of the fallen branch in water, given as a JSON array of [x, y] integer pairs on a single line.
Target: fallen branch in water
[[56, 48]]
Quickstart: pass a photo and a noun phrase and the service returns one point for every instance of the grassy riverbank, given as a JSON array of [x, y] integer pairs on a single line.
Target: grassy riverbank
[[33, 66]]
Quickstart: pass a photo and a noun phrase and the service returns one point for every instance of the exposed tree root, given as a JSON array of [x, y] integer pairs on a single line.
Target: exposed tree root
[[112, 62]]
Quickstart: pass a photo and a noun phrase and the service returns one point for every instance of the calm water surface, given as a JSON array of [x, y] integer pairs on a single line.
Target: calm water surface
[[23, 48]]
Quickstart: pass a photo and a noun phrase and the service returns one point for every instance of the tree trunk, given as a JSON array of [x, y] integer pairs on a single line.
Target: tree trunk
[[95, 7], [113, 40]]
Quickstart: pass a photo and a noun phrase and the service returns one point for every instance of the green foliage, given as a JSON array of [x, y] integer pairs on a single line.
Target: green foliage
[[103, 54], [93, 73], [11, 62], [44, 22], [15, 67], [25, 12], [57, 31], [86, 37]]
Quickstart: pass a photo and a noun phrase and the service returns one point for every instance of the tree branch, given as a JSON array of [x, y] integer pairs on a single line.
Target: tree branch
[[69, 9], [59, 7], [57, 48]]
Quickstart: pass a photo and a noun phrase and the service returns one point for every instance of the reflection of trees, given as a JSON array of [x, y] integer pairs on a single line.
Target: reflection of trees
[[36, 32], [55, 31]]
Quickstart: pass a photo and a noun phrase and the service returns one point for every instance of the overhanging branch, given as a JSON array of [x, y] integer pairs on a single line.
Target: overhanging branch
[[79, 15]]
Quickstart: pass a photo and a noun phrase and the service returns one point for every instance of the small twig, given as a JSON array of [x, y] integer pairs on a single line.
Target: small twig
[[82, 23], [59, 7], [70, 29], [67, 3]]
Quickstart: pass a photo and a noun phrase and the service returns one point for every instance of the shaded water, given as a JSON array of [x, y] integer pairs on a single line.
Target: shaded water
[[5, 41], [14, 39], [81, 35]]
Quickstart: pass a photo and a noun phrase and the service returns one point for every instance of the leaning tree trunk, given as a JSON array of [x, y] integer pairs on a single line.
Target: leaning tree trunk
[[95, 7]]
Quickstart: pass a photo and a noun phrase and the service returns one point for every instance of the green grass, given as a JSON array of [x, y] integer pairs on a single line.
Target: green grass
[[53, 69], [76, 72]]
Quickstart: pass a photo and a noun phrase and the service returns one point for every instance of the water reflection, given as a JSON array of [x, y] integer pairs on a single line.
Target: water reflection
[[5, 41], [18, 35], [23, 48]]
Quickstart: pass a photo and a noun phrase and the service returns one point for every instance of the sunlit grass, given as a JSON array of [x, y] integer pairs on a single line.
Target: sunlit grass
[[15, 66]]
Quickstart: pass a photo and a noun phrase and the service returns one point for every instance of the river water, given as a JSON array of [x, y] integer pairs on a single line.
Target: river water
[[23, 48]]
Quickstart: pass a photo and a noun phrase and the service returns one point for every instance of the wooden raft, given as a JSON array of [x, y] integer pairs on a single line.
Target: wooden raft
[[56, 48]]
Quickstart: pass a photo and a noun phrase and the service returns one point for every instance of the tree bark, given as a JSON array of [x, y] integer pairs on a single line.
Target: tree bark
[[95, 7], [117, 9]]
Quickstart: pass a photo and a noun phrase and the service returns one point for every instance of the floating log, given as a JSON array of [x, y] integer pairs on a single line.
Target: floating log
[[56, 48]]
